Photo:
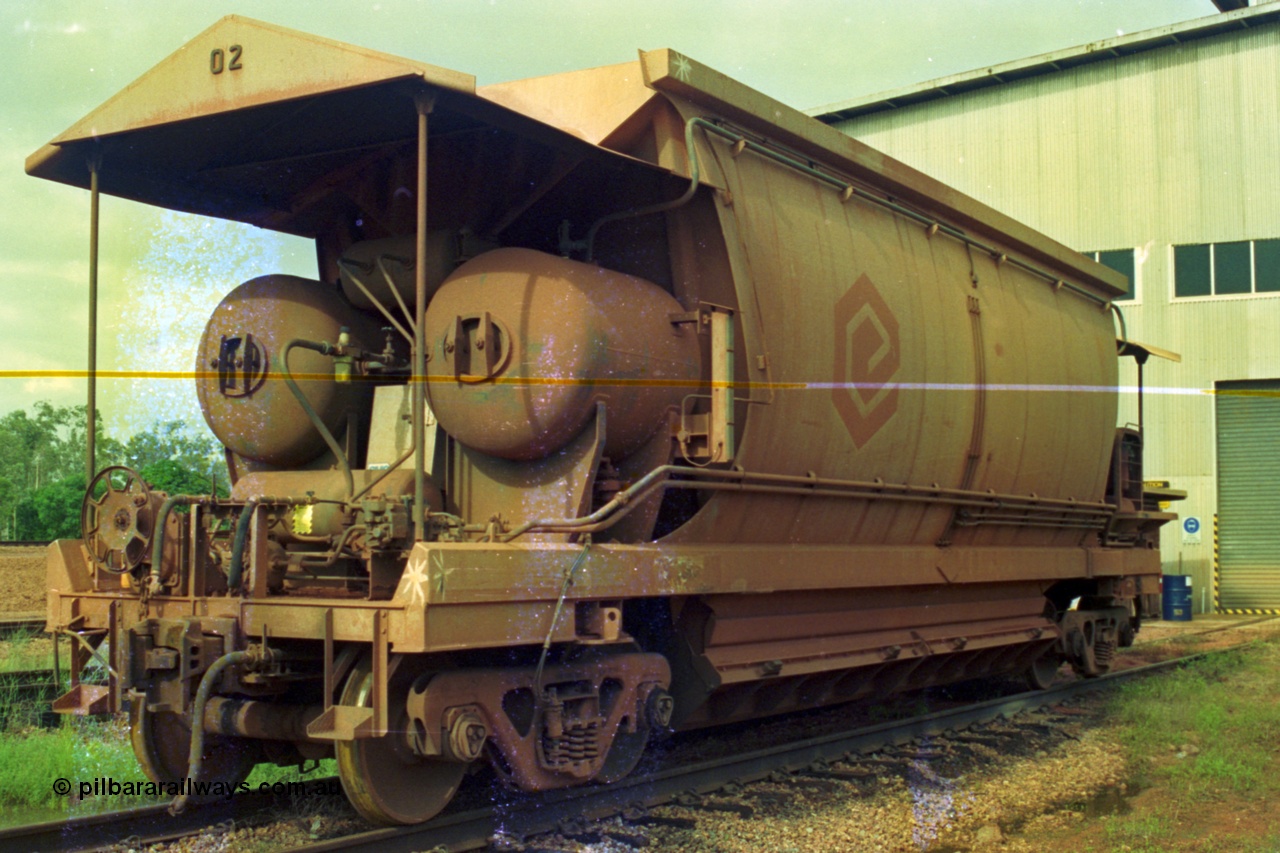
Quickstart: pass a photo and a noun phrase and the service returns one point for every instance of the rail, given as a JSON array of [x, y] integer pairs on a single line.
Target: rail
[[21, 624], [514, 825]]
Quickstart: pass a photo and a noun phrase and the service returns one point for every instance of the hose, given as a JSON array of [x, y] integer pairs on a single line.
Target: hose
[[157, 536], [555, 619], [236, 569], [196, 757], [282, 364], [660, 207]]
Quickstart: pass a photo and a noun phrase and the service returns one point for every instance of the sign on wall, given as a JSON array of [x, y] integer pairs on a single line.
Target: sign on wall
[[1191, 530]]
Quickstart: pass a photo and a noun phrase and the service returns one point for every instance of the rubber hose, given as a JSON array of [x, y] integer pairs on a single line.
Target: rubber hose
[[196, 757]]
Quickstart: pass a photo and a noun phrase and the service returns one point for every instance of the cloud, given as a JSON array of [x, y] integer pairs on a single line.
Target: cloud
[[29, 27], [44, 387]]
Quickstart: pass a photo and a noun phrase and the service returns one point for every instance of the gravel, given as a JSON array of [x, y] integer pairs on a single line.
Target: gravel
[[993, 795]]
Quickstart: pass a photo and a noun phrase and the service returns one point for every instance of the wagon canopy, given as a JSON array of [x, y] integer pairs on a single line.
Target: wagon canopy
[[266, 125]]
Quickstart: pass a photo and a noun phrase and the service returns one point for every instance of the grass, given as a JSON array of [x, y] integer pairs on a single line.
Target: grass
[[1204, 737], [1140, 833], [83, 749], [78, 749], [1208, 729], [23, 652]]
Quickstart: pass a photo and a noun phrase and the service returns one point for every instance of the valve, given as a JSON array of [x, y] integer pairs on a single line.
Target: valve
[[343, 361]]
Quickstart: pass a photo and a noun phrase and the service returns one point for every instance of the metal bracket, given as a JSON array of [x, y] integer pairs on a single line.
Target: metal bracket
[[708, 438], [356, 722], [241, 365]]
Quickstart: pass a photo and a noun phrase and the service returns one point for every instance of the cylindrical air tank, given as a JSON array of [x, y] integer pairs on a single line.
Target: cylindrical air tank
[[524, 344], [242, 394]]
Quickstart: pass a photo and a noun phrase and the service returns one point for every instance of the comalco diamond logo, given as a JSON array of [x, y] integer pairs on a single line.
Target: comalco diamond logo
[[866, 359]]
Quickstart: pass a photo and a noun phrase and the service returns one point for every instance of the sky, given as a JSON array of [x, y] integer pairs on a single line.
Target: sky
[[161, 274]]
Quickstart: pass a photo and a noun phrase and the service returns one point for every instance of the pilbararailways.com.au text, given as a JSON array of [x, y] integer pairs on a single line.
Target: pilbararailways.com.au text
[[107, 787]]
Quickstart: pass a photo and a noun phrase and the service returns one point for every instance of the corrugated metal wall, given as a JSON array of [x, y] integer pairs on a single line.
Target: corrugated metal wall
[[1179, 144]]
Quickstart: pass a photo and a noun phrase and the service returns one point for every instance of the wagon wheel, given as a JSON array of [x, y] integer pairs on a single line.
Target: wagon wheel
[[624, 754], [383, 778], [1045, 669], [117, 518], [162, 745]]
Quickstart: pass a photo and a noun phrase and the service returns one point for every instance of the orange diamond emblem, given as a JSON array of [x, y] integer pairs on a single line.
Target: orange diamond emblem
[[866, 359]]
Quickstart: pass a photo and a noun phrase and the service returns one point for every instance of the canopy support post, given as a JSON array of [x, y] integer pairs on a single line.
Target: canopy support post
[[424, 102], [91, 407]]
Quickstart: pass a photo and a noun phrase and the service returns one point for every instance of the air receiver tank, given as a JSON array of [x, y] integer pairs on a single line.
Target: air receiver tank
[[242, 394], [523, 344]]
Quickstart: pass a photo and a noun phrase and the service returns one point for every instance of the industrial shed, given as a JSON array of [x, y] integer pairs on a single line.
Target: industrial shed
[[1155, 153]]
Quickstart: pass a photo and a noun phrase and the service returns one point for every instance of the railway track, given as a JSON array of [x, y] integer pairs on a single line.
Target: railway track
[[515, 821], [28, 686], [21, 625]]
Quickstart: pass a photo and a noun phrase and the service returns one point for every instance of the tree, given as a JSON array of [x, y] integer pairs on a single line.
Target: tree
[[42, 459], [172, 477], [42, 450], [52, 511], [50, 446], [172, 440]]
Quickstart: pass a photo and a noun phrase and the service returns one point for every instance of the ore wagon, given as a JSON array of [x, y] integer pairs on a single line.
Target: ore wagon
[[622, 400]]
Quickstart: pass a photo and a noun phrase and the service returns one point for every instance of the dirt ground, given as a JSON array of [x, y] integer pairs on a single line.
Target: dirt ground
[[22, 579]]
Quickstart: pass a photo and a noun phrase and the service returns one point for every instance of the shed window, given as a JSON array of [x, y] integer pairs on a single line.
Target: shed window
[[1232, 268], [1121, 260], [1266, 266], [1237, 268], [1191, 271]]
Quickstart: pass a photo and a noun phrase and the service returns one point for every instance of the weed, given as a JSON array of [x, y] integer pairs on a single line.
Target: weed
[[1144, 829], [21, 652], [271, 773], [1209, 719]]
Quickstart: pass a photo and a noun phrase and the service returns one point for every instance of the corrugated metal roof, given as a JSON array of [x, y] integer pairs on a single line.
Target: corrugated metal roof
[[1050, 63]]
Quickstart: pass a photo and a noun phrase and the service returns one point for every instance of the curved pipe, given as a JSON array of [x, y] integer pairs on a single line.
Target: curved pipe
[[237, 544], [157, 535], [282, 364], [196, 757], [645, 484], [336, 551], [662, 206], [236, 569], [788, 484], [1124, 330]]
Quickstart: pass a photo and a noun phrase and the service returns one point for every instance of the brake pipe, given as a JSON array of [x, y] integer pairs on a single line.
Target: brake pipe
[[157, 536], [195, 758], [282, 363], [236, 569]]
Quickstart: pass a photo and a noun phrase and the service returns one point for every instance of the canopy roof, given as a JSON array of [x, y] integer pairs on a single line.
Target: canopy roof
[[252, 122]]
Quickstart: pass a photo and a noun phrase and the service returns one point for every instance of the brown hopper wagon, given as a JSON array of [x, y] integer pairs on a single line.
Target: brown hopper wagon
[[623, 400]]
